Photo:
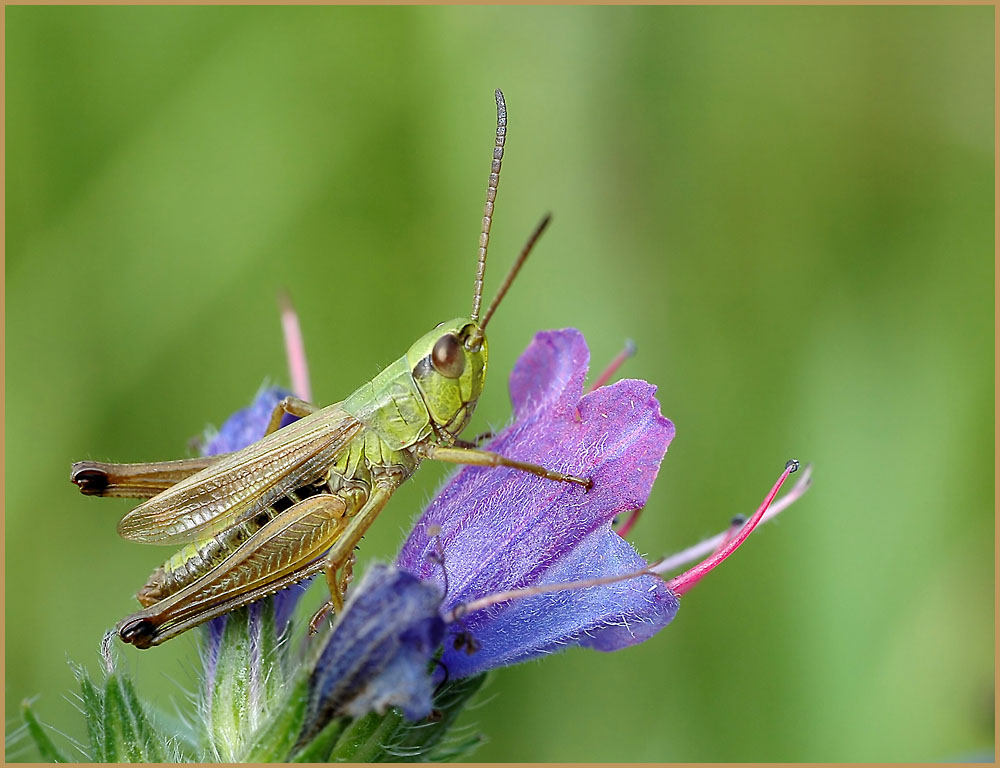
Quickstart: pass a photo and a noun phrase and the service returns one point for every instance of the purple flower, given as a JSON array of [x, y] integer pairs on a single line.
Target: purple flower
[[491, 530]]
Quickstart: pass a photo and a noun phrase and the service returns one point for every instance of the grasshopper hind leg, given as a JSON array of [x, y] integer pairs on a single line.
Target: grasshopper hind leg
[[286, 550], [135, 481], [137, 631], [338, 564], [338, 584]]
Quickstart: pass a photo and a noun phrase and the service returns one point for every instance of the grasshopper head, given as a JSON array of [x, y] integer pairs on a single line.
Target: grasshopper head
[[449, 368]]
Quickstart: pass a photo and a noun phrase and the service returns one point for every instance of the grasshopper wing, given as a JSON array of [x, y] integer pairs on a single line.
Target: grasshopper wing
[[244, 483]]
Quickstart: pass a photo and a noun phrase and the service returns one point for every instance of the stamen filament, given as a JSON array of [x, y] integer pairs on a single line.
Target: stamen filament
[[627, 526], [734, 527], [613, 366], [684, 582], [708, 546], [295, 349]]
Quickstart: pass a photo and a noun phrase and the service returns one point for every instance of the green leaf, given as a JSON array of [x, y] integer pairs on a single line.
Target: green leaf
[[122, 731], [113, 747], [128, 733], [151, 745], [46, 748], [186, 744]]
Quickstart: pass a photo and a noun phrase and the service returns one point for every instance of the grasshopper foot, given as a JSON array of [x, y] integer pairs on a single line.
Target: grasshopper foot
[[477, 441], [318, 617], [338, 584]]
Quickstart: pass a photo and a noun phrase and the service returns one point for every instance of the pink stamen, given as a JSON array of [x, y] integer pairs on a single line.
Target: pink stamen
[[683, 583], [734, 527], [295, 349], [613, 366], [707, 547]]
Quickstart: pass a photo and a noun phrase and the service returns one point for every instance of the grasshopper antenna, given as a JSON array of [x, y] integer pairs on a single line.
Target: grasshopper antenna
[[477, 337], [491, 195]]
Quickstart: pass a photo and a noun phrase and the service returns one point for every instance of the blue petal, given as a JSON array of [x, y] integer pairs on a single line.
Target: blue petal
[[378, 654], [606, 618]]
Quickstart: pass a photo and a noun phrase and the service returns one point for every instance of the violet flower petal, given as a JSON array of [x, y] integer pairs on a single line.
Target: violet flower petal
[[379, 651], [501, 529]]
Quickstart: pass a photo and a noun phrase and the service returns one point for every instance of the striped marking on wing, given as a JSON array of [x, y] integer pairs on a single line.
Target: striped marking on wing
[[244, 483]]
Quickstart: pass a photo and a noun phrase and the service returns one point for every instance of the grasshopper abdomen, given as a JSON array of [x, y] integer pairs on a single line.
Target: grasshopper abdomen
[[199, 557]]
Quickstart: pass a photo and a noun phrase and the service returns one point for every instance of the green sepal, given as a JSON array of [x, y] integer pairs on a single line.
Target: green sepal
[[46, 748], [93, 710], [246, 688], [276, 738], [228, 700], [391, 738], [319, 749], [418, 740], [366, 739], [458, 750]]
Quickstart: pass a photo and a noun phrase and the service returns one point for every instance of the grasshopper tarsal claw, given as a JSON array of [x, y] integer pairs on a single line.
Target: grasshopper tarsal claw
[[318, 617]]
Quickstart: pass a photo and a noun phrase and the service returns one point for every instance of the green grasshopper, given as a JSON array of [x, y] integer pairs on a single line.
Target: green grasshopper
[[298, 501]]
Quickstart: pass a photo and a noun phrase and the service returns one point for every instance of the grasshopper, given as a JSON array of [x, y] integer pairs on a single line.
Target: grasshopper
[[298, 501]]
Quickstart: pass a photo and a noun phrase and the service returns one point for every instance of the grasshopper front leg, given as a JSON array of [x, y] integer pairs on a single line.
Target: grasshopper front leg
[[475, 442], [482, 458]]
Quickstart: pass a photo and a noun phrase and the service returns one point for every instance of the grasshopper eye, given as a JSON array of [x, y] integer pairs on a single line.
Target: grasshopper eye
[[447, 357]]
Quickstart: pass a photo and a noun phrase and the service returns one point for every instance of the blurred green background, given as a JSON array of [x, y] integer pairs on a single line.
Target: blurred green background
[[789, 209]]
